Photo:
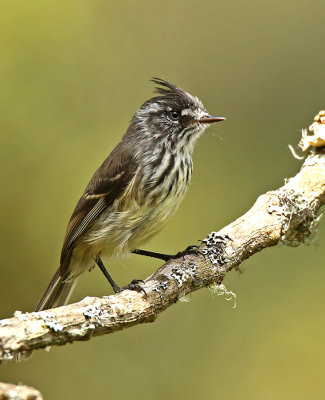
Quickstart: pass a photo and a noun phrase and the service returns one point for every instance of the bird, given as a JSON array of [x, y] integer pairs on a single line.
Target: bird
[[134, 192]]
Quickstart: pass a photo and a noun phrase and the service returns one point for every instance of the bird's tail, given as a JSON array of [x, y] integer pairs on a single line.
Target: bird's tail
[[57, 294]]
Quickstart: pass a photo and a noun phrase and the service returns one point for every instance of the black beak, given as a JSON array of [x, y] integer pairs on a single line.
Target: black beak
[[209, 119]]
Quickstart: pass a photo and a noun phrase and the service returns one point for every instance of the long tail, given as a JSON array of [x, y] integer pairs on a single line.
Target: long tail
[[57, 294]]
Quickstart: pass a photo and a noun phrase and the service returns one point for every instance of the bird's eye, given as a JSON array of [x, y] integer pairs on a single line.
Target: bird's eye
[[174, 115]]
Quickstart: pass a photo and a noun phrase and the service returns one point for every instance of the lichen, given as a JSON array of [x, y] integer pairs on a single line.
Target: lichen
[[182, 274], [294, 206], [20, 315], [185, 299], [220, 290], [50, 321], [91, 312], [161, 287], [214, 248], [317, 136]]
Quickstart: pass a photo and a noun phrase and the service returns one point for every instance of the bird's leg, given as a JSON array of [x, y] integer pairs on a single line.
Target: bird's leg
[[166, 257], [99, 262], [131, 286], [146, 253]]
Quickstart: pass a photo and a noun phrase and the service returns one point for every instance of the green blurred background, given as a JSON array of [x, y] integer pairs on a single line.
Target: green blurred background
[[72, 75]]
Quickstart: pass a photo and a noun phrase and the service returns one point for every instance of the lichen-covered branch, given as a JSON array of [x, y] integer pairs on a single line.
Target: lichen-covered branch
[[18, 392], [289, 215]]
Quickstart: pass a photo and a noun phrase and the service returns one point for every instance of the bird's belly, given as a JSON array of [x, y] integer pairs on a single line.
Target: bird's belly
[[127, 224], [119, 232]]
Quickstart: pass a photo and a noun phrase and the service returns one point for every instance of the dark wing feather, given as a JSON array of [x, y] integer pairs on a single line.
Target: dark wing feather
[[108, 184]]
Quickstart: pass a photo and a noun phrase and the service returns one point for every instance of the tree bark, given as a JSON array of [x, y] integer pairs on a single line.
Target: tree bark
[[18, 392]]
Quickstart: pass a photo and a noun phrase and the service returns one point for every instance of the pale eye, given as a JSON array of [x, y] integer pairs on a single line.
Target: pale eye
[[174, 115]]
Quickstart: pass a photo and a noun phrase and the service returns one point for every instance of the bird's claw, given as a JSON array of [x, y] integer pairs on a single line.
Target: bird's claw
[[194, 249], [134, 285]]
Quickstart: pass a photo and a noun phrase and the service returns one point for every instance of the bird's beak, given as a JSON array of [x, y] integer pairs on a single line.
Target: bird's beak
[[209, 119]]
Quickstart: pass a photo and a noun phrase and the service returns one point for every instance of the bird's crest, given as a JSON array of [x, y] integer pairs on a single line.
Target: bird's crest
[[175, 93]]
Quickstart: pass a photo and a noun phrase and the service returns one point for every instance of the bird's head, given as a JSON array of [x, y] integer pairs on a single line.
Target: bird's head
[[174, 116]]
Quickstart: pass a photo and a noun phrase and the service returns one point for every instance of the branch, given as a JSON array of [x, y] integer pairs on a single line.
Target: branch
[[18, 392], [288, 215]]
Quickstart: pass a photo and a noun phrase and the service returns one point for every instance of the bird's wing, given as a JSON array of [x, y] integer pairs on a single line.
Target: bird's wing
[[108, 184]]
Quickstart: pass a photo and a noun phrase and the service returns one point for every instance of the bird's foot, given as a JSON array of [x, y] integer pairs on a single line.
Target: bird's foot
[[194, 249], [133, 285]]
